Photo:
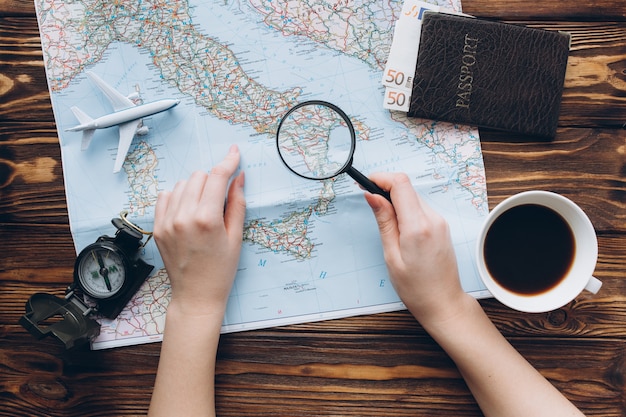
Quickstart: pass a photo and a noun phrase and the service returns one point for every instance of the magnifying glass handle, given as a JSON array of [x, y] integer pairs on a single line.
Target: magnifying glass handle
[[366, 183]]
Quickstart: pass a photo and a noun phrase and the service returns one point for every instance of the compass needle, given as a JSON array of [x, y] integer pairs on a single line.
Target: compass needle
[[104, 272]]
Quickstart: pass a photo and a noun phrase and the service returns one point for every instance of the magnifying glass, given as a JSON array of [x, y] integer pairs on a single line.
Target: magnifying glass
[[316, 140]]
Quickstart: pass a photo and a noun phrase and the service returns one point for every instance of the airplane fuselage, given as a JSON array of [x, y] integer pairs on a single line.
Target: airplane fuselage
[[127, 115]]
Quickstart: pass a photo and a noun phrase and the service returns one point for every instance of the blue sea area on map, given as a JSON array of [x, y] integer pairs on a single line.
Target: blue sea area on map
[[311, 249]]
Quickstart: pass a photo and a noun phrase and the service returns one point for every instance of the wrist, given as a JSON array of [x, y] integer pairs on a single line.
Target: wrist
[[464, 331], [210, 315], [193, 300], [448, 314]]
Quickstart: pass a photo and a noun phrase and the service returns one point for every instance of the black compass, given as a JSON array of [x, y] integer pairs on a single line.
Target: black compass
[[107, 273]]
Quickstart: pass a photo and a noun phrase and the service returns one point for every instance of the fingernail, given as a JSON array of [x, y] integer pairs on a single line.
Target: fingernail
[[373, 202], [234, 149]]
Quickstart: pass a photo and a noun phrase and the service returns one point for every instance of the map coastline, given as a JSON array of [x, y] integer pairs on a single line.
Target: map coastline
[[311, 249]]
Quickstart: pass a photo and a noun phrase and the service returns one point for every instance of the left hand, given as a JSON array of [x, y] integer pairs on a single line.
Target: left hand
[[200, 239]]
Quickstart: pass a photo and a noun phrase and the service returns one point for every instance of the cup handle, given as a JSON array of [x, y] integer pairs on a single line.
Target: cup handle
[[593, 285]]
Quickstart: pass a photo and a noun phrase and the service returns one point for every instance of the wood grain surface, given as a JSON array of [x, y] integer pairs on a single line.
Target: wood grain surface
[[376, 365]]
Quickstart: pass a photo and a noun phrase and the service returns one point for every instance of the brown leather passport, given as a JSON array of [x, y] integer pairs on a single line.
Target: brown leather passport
[[489, 74]]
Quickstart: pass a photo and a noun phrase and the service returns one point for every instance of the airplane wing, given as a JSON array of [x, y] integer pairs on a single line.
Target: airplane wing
[[87, 134], [127, 133], [118, 101]]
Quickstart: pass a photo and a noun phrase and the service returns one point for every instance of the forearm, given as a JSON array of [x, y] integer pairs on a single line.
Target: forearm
[[501, 380], [186, 374]]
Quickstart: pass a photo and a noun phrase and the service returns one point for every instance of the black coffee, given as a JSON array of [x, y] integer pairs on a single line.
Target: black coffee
[[529, 249]]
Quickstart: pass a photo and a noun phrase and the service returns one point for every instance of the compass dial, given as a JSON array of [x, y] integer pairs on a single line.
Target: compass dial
[[101, 271]]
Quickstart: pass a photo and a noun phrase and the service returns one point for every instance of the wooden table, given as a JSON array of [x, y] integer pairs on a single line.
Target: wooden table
[[379, 365]]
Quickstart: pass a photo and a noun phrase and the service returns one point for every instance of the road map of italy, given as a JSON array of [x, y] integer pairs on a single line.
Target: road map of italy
[[311, 248]]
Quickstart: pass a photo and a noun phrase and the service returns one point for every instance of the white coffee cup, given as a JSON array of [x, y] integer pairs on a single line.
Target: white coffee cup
[[578, 277]]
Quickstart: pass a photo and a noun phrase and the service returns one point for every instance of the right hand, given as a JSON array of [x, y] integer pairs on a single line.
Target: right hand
[[418, 251]]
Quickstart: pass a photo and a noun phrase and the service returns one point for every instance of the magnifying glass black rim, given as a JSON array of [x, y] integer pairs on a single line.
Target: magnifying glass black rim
[[345, 118]]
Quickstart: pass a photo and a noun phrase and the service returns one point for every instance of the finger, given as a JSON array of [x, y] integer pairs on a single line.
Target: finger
[[235, 213], [387, 223], [214, 192], [409, 207], [187, 197], [161, 208], [174, 200]]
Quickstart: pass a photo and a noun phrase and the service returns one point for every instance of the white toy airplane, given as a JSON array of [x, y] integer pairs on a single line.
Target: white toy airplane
[[127, 115]]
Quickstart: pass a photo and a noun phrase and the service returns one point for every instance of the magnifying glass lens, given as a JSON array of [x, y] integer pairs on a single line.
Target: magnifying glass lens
[[315, 141]]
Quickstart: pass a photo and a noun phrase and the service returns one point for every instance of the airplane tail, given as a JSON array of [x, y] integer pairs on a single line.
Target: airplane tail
[[83, 118]]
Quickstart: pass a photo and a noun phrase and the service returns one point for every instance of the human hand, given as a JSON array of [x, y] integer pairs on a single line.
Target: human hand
[[422, 266], [418, 250], [199, 240]]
